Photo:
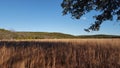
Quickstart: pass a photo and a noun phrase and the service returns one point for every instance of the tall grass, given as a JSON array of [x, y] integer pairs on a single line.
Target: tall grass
[[77, 53]]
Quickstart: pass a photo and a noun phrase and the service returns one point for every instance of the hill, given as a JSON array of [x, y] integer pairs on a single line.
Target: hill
[[6, 34], [42, 35], [99, 36]]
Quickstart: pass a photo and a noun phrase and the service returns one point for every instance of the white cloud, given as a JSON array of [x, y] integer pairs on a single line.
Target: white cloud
[[84, 18]]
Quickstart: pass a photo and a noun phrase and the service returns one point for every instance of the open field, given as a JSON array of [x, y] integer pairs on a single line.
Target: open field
[[60, 53]]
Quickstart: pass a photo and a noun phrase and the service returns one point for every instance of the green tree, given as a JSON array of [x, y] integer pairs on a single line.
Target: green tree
[[77, 8]]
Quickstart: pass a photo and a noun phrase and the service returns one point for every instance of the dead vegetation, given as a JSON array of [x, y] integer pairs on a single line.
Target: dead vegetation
[[61, 53]]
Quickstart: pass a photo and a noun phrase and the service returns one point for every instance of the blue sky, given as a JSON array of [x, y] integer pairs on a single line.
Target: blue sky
[[46, 16]]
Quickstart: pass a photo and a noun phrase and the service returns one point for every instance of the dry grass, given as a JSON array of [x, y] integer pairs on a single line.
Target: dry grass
[[60, 53]]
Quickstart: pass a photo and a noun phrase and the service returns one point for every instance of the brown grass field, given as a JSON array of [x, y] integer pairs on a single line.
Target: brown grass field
[[60, 53]]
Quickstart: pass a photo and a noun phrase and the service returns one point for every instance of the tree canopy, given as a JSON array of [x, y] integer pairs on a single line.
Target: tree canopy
[[77, 8]]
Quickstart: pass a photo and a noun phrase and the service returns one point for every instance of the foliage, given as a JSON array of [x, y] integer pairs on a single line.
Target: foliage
[[77, 8]]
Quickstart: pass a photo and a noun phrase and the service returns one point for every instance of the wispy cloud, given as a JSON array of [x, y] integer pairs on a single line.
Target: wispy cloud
[[84, 18]]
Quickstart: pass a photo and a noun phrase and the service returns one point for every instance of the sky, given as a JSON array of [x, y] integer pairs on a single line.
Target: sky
[[46, 16]]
